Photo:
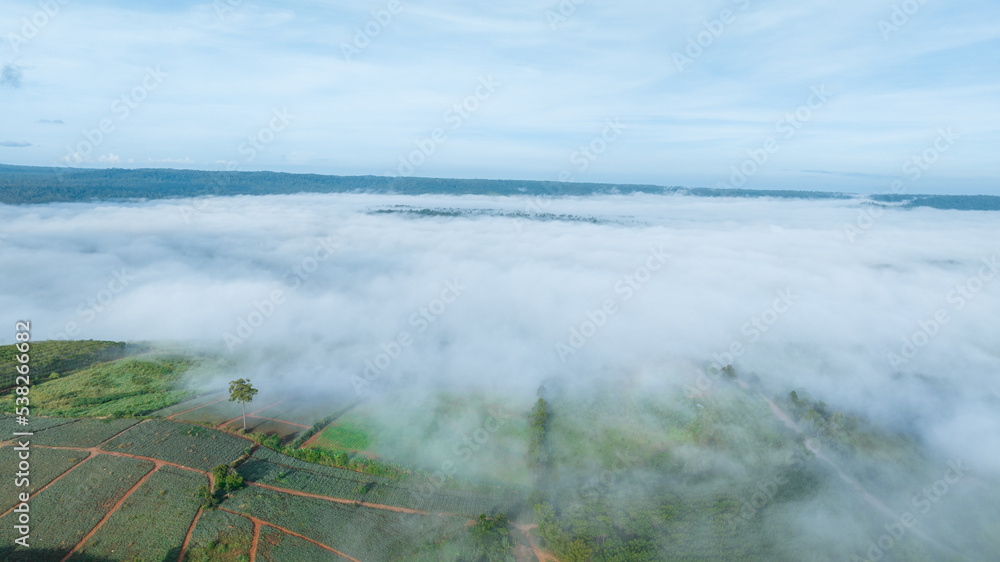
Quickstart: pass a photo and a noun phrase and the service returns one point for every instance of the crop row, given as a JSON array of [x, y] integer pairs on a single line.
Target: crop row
[[277, 546], [65, 512], [9, 425], [152, 522], [179, 443], [360, 532], [219, 533], [83, 433], [195, 402], [46, 466], [360, 487], [274, 457]]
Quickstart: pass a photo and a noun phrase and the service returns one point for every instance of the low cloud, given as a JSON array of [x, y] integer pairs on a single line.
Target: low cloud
[[325, 294], [11, 75]]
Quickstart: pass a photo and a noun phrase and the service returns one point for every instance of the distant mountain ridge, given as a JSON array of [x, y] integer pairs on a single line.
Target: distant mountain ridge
[[21, 185]]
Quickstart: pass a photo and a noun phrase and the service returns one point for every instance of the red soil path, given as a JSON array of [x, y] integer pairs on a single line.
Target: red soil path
[[187, 537], [43, 488], [255, 541], [257, 522], [540, 554], [347, 501], [110, 512], [158, 463], [311, 441]]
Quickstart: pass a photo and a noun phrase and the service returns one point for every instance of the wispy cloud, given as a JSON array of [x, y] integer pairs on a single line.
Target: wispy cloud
[[11, 75], [14, 144], [560, 82]]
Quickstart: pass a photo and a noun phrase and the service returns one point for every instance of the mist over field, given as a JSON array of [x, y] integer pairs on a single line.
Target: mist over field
[[504, 293]]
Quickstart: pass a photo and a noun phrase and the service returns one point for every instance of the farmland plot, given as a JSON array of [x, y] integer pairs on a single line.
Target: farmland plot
[[8, 424], [276, 546], [272, 456], [302, 412], [83, 433], [274, 469], [195, 402], [153, 521], [362, 487], [285, 432], [212, 413], [179, 443], [485, 440], [71, 507], [220, 536], [46, 466], [362, 532]]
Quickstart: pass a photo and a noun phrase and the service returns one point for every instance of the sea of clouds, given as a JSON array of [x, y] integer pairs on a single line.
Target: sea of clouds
[[896, 320]]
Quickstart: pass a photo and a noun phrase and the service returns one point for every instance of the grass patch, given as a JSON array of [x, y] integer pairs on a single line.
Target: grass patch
[[123, 388]]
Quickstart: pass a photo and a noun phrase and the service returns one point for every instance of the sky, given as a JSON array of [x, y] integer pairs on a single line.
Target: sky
[[845, 95]]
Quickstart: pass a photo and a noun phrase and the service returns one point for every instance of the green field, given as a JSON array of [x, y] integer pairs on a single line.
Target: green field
[[361, 532], [152, 522], [73, 505], [220, 536], [50, 359], [485, 439], [48, 464], [83, 433], [179, 443], [613, 474], [132, 386], [276, 546]]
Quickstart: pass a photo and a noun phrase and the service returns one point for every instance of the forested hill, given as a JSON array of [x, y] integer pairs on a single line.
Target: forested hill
[[29, 184]]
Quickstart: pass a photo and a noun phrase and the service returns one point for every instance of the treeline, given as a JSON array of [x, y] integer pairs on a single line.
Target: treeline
[[28, 184], [946, 202], [31, 184]]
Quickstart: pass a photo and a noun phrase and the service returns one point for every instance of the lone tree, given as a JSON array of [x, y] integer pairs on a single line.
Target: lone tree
[[242, 391]]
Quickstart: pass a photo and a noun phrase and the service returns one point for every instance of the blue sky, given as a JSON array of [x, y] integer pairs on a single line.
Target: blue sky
[[582, 90]]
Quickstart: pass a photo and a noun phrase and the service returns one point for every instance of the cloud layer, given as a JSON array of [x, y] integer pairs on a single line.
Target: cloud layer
[[315, 286]]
